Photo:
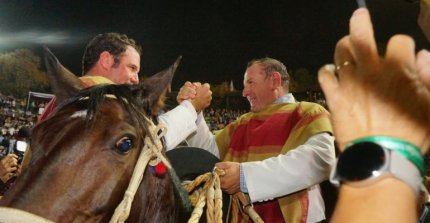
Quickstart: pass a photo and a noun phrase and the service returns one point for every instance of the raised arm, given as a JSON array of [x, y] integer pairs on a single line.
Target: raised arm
[[373, 96]]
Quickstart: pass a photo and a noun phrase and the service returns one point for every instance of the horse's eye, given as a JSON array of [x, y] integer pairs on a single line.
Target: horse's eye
[[124, 145]]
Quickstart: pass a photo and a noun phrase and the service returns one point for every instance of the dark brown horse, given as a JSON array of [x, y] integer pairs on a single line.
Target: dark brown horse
[[84, 153]]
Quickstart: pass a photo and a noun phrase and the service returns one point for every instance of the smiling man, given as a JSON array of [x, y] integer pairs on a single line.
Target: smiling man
[[278, 153], [109, 58]]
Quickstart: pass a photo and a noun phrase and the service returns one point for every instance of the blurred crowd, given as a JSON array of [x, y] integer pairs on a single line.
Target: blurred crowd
[[12, 120], [218, 118], [15, 128]]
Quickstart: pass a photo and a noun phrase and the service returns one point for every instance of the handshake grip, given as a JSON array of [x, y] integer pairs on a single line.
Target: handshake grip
[[202, 98], [199, 95]]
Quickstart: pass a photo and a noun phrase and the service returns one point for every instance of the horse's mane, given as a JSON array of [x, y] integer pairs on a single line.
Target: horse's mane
[[93, 97]]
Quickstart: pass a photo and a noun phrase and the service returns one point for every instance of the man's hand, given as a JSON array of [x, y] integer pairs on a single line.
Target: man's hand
[[187, 91], [8, 167], [203, 97], [230, 181], [369, 95], [199, 95]]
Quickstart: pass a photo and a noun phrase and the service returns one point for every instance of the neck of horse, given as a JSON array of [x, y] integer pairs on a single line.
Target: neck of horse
[[55, 201]]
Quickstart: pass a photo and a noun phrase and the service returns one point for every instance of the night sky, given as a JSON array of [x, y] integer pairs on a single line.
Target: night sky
[[215, 37]]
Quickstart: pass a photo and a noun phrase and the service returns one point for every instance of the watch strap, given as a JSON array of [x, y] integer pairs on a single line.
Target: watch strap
[[404, 148], [405, 171], [396, 166]]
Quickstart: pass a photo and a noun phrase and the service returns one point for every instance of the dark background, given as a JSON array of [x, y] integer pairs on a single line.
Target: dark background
[[215, 37]]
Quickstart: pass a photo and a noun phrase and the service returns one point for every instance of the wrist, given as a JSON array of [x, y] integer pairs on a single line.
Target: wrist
[[402, 147], [394, 195], [242, 182], [367, 161], [196, 107], [190, 106]]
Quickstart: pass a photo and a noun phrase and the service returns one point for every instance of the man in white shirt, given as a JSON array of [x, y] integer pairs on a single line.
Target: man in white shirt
[[291, 172]]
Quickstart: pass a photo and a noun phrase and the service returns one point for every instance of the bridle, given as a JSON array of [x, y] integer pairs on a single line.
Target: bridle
[[152, 149]]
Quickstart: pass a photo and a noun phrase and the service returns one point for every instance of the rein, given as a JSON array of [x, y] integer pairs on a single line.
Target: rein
[[152, 149], [211, 196], [211, 190]]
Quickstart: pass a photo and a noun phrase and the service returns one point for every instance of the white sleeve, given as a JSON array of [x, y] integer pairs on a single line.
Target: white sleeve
[[180, 123], [300, 168], [203, 137]]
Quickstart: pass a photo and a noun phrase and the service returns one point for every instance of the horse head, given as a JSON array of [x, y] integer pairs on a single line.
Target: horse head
[[83, 154]]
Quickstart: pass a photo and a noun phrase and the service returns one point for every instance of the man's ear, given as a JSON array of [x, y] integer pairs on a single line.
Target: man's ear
[[276, 80], [106, 60]]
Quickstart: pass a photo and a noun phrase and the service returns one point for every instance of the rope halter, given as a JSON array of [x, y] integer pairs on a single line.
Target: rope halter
[[152, 148]]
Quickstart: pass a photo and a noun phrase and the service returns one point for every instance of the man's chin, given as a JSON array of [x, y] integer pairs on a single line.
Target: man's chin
[[255, 109]]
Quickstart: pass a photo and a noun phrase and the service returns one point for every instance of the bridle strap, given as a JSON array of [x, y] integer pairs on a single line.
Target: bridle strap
[[152, 149]]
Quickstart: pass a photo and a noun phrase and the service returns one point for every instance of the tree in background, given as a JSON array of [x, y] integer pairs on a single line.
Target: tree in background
[[20, 73]]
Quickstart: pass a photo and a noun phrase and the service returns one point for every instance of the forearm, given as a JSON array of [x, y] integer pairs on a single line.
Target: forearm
[[180, 123], [388, 200], [300, 168], [203, 137]]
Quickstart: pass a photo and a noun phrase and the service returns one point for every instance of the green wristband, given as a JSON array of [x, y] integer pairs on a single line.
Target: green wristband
[[404, 148]]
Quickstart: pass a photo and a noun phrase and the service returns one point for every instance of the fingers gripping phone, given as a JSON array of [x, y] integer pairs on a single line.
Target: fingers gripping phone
[[21, 147]]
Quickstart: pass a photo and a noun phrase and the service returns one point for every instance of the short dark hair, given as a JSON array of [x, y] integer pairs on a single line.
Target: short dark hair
[[114, 43], [272, 65]]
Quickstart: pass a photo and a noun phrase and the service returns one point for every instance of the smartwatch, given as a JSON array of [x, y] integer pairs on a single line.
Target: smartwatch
[[364, 163]]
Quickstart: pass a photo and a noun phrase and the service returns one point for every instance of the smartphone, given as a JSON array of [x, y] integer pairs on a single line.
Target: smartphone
[[21, 147]]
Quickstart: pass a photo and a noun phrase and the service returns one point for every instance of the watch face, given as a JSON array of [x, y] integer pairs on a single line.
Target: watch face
[[361, 161]]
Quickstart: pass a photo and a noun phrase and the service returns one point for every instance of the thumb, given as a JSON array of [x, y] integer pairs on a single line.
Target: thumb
[[222, 165], [197, 84], [423, 67], [206, 85]]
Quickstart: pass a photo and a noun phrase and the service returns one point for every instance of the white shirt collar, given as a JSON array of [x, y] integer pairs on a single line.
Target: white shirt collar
[[287, 98]]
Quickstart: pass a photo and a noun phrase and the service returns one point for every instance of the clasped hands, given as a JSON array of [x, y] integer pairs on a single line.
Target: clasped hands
[[199, 95]]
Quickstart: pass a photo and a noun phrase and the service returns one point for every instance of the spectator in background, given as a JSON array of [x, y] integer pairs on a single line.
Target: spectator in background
[[218, 118], [6, 142], [21, 143], [8, 168], [41, 108]]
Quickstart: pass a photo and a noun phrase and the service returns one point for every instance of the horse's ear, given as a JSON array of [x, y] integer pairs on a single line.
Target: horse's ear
[[152, 91], [63, 82]]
